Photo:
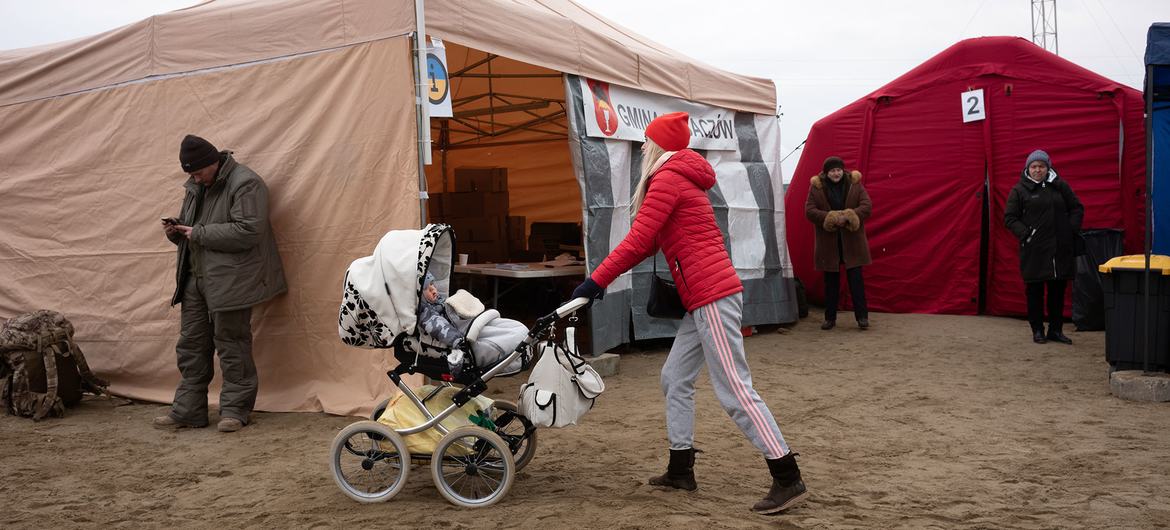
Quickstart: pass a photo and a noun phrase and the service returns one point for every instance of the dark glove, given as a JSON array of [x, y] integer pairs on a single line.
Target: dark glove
[[589, 289]]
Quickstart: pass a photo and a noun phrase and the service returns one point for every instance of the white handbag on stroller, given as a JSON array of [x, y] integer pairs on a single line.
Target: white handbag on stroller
[[561, 388]]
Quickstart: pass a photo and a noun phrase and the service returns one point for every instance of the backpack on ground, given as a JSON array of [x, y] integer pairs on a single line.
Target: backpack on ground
[[42, 370]]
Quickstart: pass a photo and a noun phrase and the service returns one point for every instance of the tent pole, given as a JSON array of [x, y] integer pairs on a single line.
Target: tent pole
[[444, 145], [1149, 212], [422, 107]]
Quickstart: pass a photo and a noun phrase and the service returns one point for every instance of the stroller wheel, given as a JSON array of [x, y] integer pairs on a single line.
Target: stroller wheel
[[511, 426], [369, 461], [473, 467], [379, 409]]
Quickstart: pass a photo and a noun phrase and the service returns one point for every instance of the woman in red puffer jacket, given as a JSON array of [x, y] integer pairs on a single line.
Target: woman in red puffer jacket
[[672, 212]]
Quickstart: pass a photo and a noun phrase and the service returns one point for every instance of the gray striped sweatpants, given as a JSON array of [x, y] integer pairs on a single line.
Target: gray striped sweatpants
[[711, 333]]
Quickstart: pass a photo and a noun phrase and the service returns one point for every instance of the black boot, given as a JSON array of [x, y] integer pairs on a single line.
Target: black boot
[[680, 473], [787, 488], [1055, 333], [1038, 336]]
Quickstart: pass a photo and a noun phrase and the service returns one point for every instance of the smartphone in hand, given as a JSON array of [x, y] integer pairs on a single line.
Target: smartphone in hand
[[170, 221]]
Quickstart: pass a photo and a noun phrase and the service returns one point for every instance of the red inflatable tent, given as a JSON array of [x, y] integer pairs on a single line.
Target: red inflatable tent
[[933, 235]]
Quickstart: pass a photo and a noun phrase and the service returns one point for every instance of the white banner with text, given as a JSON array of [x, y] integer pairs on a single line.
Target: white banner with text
[[621, 113]]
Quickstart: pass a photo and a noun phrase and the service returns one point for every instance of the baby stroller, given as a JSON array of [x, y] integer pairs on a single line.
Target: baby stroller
[[472, 465]]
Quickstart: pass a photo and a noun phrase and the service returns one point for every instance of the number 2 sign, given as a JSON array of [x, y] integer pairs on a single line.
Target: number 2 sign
[[973, 109]]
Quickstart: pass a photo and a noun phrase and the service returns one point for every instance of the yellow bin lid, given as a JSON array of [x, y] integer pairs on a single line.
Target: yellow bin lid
[[1158, 264]]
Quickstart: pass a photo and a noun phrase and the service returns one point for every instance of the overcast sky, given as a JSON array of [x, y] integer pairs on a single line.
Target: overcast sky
[[821, 54]]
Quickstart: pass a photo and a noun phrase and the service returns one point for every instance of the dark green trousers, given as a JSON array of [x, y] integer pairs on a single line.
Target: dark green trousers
[[202, 334]]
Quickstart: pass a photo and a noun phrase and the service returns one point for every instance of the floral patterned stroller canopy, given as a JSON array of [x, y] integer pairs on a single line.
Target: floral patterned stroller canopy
[[382, 292]]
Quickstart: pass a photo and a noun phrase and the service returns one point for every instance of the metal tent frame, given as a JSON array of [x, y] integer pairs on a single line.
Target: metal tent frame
[[485, 119]]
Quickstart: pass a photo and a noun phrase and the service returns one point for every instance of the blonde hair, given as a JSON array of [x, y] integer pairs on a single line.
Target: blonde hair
[[652, 154]]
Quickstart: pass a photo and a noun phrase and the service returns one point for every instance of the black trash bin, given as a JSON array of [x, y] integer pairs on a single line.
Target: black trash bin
[[1088, 299], [1124, 287]]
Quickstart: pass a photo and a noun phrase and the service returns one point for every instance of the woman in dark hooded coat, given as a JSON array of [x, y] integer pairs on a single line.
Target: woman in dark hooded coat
[[1045, 215]]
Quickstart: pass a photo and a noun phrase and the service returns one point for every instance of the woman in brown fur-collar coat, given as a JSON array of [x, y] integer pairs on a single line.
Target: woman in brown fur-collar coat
[[838, 207]]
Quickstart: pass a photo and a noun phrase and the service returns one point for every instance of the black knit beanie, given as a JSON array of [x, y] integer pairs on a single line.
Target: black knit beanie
[[832, 162], [197, 153]]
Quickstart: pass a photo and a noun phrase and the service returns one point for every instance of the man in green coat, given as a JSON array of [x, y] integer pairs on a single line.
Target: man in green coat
[[227, 263]]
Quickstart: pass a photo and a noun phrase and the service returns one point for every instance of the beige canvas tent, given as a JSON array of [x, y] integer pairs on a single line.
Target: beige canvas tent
[[317, 96]]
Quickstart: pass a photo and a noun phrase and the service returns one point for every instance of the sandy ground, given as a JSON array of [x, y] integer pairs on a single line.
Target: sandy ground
[[920, 422]]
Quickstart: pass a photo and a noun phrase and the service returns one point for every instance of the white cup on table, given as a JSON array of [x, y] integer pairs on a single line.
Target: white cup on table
[[463, 259]]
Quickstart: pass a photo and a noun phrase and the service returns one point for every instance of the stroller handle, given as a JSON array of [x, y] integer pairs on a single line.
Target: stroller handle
[[544, 322], [571, 306]]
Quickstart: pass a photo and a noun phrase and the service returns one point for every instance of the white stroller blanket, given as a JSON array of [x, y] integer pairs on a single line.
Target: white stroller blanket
[[498, 339]]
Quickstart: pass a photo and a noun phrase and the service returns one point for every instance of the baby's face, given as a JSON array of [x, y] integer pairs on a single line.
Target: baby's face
[[431, 293]]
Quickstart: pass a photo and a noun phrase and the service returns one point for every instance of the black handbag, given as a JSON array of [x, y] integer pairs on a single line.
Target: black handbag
[[664, 301]]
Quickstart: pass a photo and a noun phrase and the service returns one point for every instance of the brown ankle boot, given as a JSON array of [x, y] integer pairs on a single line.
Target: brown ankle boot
[[680, 473], [787, 488]]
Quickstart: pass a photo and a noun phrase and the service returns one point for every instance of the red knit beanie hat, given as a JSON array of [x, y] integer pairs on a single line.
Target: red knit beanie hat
[[670, 131]]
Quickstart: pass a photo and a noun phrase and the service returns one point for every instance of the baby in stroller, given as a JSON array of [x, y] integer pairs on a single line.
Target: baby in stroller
[[435, 322], [447, 320], [397, 298]]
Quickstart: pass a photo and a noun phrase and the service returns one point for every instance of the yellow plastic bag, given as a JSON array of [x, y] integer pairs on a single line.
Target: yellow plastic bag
[[402, 414]]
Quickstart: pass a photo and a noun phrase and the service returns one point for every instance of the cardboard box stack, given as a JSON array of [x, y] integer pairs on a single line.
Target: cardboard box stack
[[478, 210], [435, 208], [515, 227], [549, 239]]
